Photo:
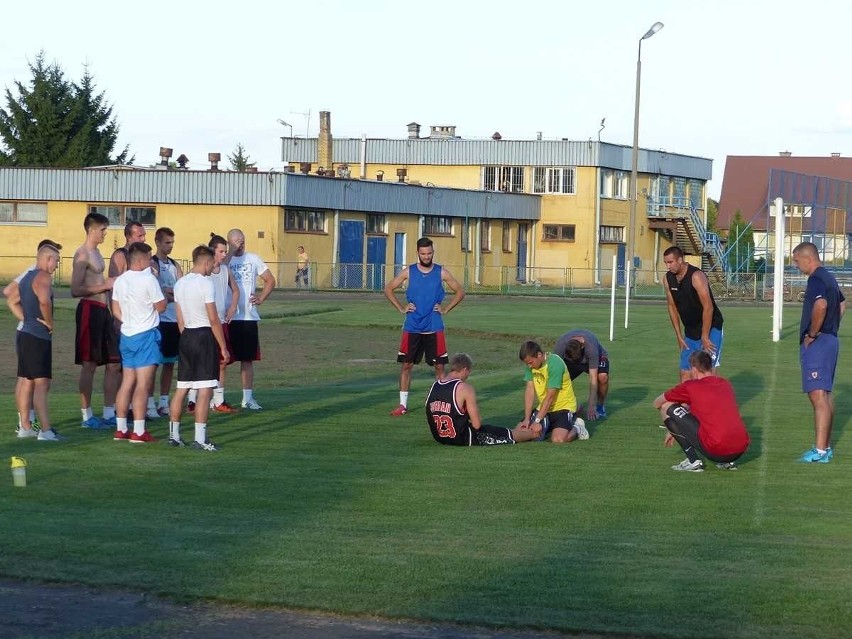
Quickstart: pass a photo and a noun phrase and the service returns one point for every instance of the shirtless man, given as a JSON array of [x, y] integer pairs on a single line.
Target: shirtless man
[[133, 232], [96, 340]]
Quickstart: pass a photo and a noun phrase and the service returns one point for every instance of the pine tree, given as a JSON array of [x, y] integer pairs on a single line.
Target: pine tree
[[240, 159]]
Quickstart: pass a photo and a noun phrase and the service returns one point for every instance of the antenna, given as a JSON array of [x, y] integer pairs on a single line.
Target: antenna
[[603, 126], [307, 116]]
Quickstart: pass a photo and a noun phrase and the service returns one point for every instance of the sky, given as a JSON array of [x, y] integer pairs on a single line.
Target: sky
[[744, 77]]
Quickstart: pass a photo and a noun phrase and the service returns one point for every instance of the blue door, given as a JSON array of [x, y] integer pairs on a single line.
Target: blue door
[[522, 253], [350, 254], [377, 248], [619, 264], [398, 253]]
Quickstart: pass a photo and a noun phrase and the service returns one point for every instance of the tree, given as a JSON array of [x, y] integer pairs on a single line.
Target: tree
[[740, 244], [58, 123], [712, 214], [240, 159]]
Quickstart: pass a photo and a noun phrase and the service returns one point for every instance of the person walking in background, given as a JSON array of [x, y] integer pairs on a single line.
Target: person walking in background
[[582, 353], [246, 269], [33, 306], [96, 339], [303, 265], [167, 272], [690, 301], [819, 347], [423, 328], [137, 301]]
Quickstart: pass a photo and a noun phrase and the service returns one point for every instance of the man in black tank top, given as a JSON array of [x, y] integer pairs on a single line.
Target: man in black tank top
[[453, 414], [690, 301]]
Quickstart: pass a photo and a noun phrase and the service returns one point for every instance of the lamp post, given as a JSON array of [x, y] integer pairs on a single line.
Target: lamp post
[[634, 190], [284, 154]]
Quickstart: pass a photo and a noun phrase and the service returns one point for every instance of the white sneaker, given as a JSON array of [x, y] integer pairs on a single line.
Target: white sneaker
[[580, 427], [252, 405], [50, 436], [152, 413], [692, 467], [25, 433]]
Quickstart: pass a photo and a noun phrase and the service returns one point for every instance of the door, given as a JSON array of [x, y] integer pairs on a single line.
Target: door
[[522, 253], [350, 254], [398, 253], [377, 247], [619, 264]]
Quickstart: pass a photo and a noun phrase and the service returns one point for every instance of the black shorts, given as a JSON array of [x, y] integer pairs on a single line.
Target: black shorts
[[244, 341], [414, 346], [169, 342], [554, 419], [35, 356], [684, 426], [575, 370], [97, 337], [198, 360]]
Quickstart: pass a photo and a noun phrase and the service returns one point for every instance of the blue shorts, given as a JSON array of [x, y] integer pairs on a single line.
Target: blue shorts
[[819, 361], [140, 350], [694, 345]]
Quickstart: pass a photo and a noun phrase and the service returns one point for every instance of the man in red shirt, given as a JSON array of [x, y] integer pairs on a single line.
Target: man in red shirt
[[701, 414]]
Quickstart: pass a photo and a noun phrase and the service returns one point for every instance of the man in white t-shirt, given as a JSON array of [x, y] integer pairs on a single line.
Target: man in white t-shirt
[[137, 301], [168, 272], [246, 269], [202, 344]]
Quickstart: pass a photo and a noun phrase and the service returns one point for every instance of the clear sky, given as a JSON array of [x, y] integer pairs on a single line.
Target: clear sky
[[746, 77]]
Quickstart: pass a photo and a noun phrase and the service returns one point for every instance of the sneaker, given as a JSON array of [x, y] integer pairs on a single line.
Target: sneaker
[[693, 467], [601, 411], [226, 408], [26, 433], [399, 411], [252, 405], [207, 446], [176, 443], [95, 423], [110, 422], [50, 435], [726, 466], [813, 455], [152, 413], [120, 437], [144, 438], [190, 407], [580, 427], [163, 411]]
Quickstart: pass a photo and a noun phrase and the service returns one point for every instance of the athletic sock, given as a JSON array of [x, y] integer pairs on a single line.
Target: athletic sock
[[403, 398], [20, 420], [192, 395], [109, 412], [691, 455], [174, 431], [201, 433], [821, 451], [218, 396], [121, 424], [152, 403], [247, 395], [87, 413], [164, 401], [32, 416], [139, 427]]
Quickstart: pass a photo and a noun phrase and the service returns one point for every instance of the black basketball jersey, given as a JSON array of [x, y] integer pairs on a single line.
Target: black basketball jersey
[[449, 424], [688, 305]]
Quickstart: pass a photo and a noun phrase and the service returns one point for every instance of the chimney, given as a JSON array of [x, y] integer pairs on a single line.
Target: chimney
[[785, 154], [835, 155], [380, 175], [413, 131], [538, 135], [165, 154], [182, 161], [324, 141], [496, 136], [214, 159], [442, 131], [400, 174]]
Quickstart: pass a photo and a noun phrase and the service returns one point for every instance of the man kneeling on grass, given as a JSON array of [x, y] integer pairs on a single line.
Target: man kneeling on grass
[[702, 415], [453, 414]]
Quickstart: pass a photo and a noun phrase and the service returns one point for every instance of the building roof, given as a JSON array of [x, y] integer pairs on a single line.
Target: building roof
[[745, 185]]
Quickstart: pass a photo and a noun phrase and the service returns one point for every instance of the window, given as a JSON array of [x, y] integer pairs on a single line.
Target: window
[[304, 220], [606, 182], [437, 225], [554, 179], [23, 212], [509, 179], [119, 215], [465, 236], [507, 237], [696, 194], [622, 185], [679, 190], [612, 234], [485, 235], [559, 232], [377, 224]]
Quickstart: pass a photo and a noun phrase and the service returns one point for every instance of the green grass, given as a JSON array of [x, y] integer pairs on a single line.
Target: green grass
[[322, 501]]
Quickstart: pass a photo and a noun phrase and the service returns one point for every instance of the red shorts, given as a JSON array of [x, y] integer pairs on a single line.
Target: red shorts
[[97, 338]]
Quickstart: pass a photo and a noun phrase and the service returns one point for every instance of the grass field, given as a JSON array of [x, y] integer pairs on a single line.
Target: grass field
[[322, 501]]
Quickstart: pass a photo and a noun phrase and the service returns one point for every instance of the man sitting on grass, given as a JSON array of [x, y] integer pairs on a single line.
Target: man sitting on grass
[[702, 415], [453, 414]]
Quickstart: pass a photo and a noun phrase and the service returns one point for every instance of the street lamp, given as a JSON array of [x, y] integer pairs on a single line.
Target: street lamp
[[634, 190], [284, 154]]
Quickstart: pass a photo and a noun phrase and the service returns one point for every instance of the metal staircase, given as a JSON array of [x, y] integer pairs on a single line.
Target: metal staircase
[[680, 223]]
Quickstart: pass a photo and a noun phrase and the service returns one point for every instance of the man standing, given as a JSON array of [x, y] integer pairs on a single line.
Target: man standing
[[167, 272], [302, 268], [549, 384], [583, 353], [690, 300], [119, 262], [34, 307], [202, 345], [819, 348], [701, 414], [453, 414], [96, 338], [137, 301], [223, 284], [423, 329], [246, 269]]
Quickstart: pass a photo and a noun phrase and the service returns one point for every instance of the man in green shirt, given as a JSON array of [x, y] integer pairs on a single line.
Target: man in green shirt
[[549, 397]]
